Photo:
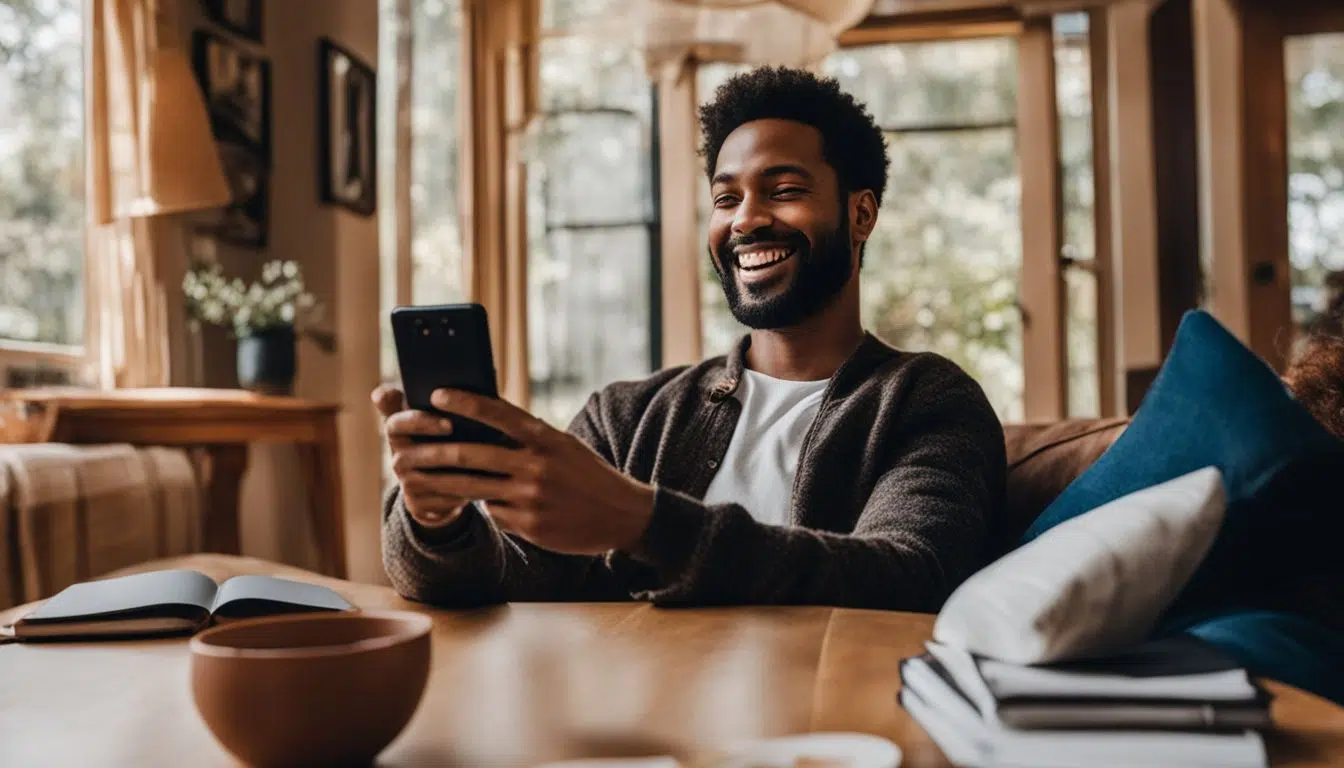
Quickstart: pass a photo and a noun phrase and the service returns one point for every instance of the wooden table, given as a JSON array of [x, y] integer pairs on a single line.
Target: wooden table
[[515, 685], [220, 422]]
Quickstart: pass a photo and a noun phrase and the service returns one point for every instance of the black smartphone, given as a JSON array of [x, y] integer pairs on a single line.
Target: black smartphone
[[447, 346]]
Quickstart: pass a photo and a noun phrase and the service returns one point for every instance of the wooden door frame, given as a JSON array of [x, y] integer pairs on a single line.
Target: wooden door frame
[[1132, 184], [1243, 94]]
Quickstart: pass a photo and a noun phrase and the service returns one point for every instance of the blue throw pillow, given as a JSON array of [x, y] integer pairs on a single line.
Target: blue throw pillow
[[1215, 403], [1281, 647]]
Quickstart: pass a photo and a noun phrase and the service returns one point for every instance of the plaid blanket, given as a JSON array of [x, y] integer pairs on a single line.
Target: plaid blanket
[[74, 512]]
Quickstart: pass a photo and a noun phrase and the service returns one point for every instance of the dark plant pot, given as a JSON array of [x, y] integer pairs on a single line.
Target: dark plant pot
[[266, 361]]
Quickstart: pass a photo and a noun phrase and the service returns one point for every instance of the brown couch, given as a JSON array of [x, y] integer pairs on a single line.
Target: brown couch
[[1042, 460]]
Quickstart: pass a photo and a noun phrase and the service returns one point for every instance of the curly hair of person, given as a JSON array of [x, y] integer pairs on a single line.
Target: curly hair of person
[[851, 141], [1315, 373]]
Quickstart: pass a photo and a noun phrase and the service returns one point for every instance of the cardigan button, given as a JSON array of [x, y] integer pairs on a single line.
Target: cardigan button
[[712, 463]]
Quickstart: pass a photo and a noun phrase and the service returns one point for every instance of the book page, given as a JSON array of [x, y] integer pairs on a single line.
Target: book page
[[261, 595], [155, 593]]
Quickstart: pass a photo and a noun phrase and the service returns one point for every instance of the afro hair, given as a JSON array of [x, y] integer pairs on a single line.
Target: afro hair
[[1315, 372], [851, 141]]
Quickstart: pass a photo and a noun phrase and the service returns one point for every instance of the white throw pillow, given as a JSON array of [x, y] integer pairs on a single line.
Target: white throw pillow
[[1093, 584]]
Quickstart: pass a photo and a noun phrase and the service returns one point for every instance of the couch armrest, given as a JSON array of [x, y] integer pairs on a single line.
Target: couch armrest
[[1043, 459]]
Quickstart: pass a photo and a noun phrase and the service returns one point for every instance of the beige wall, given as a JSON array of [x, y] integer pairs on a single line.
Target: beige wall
[[338, 251]]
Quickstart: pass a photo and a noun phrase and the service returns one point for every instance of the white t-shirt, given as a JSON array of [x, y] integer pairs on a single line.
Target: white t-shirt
[[757, 472]]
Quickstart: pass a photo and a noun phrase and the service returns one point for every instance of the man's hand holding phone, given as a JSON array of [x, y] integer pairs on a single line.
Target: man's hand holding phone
[[553, 490], [401, 426]]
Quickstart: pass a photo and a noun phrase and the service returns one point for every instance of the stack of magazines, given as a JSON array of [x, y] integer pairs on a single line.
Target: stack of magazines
[[1177, 701]]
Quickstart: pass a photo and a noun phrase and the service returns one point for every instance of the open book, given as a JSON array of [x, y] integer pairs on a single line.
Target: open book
[[169, 601]]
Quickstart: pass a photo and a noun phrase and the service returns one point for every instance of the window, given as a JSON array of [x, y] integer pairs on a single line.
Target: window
[[942, 270], [420, 41], [41, 172], [1315, 69], [593, 237]]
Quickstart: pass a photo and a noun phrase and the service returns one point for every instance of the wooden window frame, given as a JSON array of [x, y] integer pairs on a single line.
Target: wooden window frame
[[1111, 392], [1132, 186], [925, 26], [402, 147], [1045, 370], [679, 172], [400, 188]]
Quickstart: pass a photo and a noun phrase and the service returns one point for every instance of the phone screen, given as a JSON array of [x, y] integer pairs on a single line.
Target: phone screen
[[447, 347]]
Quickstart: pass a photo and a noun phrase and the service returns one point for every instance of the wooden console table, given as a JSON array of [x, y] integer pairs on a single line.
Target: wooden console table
[[220, 422]]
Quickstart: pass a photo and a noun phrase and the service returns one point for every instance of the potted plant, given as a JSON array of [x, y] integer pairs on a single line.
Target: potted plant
[[266, 318]]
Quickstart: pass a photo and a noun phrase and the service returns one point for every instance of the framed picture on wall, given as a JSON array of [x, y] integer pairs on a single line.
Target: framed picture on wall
[[347, 160], [242, 17], [246, 220], [237, 89]]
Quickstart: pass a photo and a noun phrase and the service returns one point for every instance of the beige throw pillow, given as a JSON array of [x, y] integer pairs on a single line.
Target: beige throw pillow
[[1093, 584]]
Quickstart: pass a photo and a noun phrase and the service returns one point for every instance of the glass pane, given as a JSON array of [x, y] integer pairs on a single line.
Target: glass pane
[[937, 83], [588, 312], [590, 212], [567, 14], [390, 26], [592, 168], [436, 237], [42, 171], [592, 73], [1315, 68], [941, 270], [1073, 86], [1081, 349]]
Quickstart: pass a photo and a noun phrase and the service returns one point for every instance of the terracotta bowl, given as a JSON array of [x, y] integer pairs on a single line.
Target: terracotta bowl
[[312, 689]]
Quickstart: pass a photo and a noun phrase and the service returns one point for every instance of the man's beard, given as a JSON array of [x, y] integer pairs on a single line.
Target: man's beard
[[822, 273]]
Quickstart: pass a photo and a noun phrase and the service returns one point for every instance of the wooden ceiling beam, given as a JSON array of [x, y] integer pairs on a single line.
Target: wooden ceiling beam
[[957, 24]]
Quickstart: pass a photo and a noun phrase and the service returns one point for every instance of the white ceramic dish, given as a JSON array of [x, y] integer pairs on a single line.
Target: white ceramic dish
[[831, 750]]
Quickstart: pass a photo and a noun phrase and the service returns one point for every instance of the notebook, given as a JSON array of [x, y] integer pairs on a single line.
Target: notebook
[[1176, 668], [167, 602], [1176, 701], [929, 679], [969, 741]]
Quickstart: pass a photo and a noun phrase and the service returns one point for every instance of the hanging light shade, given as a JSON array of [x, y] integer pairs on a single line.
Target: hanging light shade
[[180, 168], [797, 33]]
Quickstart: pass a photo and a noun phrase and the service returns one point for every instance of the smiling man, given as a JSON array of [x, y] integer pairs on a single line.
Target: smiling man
[[814, 464]]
